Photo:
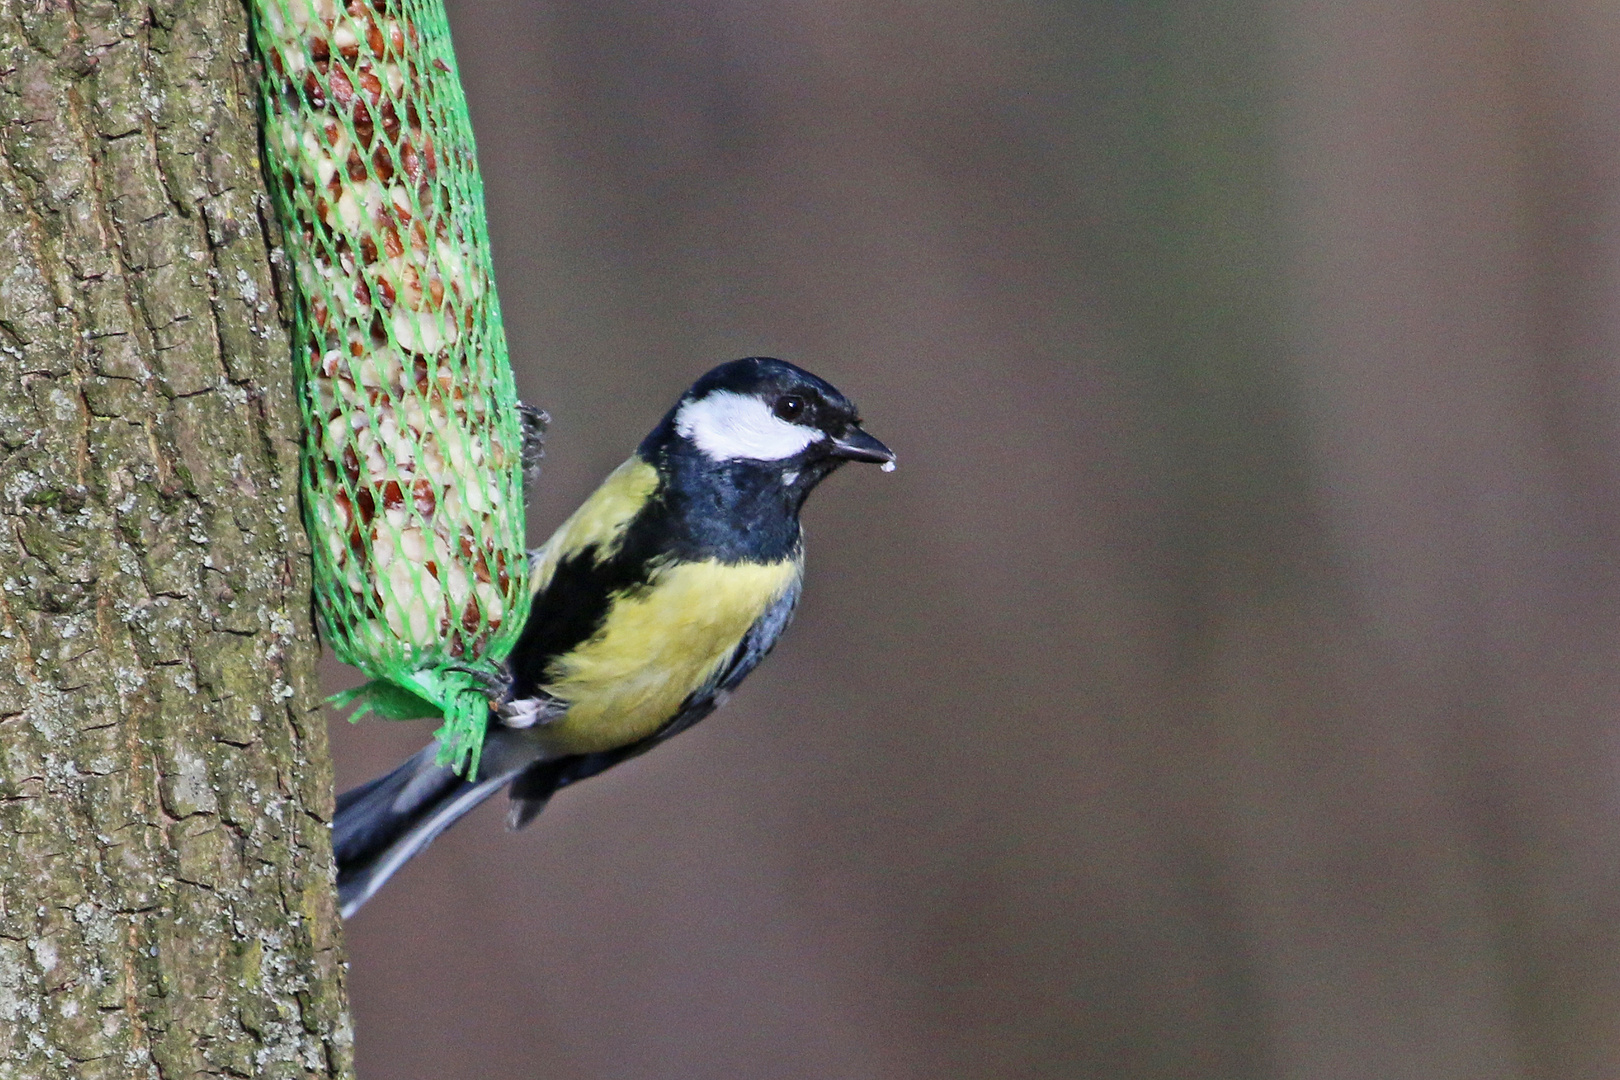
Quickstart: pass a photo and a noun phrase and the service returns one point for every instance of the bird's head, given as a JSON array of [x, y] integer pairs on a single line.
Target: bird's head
[[771, 415]]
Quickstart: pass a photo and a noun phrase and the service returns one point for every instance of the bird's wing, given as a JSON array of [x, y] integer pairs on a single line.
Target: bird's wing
[[760, 639]]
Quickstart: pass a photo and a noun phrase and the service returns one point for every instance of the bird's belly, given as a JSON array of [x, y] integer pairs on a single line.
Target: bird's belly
[[656, 647]]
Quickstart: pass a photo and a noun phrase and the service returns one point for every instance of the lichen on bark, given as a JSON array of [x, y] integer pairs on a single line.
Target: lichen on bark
[[166, 907]]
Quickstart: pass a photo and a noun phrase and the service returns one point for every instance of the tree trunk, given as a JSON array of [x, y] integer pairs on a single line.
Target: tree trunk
[[166, 907]]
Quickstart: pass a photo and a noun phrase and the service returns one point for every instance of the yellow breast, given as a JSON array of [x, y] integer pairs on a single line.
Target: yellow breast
[[657, 646]]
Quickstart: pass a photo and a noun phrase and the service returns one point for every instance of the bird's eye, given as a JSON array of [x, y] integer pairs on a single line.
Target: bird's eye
[[789, 407]]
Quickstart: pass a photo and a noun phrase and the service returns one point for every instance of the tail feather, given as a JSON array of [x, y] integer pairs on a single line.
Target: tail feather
[[382, 825]]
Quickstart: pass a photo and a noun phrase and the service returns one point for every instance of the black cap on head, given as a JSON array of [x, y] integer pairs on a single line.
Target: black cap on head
[[764, 375]]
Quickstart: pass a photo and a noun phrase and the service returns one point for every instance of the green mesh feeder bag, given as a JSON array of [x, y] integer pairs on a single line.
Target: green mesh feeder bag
[[413, 452]]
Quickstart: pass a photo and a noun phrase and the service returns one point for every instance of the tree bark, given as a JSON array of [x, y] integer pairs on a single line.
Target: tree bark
[[166, 906]]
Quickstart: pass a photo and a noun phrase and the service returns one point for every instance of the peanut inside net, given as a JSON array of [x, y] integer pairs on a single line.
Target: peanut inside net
[[413, 464]]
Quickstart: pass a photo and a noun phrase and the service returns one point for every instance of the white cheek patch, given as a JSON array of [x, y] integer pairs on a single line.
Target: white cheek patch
[[727, 425]]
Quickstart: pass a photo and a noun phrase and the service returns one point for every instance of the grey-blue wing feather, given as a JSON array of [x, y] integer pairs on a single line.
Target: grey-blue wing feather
[[760, 640]]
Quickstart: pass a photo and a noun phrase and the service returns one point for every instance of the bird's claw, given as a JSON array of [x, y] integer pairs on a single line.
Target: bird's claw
[[495, 683]]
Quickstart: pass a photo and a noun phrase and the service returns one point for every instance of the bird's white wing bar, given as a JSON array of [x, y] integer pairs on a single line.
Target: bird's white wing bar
[[726, 426]]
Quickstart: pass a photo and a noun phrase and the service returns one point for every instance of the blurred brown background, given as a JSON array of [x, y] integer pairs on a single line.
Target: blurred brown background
[[1226, 685]]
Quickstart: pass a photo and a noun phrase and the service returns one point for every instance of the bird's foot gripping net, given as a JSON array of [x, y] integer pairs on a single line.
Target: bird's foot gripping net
[[413, 456]]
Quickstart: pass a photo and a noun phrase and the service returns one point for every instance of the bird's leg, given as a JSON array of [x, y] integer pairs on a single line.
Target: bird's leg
[[499, 685]]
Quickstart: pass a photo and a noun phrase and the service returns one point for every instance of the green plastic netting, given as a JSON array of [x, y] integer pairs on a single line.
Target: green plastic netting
[[413, 456]]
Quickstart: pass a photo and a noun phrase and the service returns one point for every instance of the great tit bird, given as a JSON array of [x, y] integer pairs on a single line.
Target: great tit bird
[[651, 603]]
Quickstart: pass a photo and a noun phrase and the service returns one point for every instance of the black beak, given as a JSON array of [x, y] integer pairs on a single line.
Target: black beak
[[856, 445]]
